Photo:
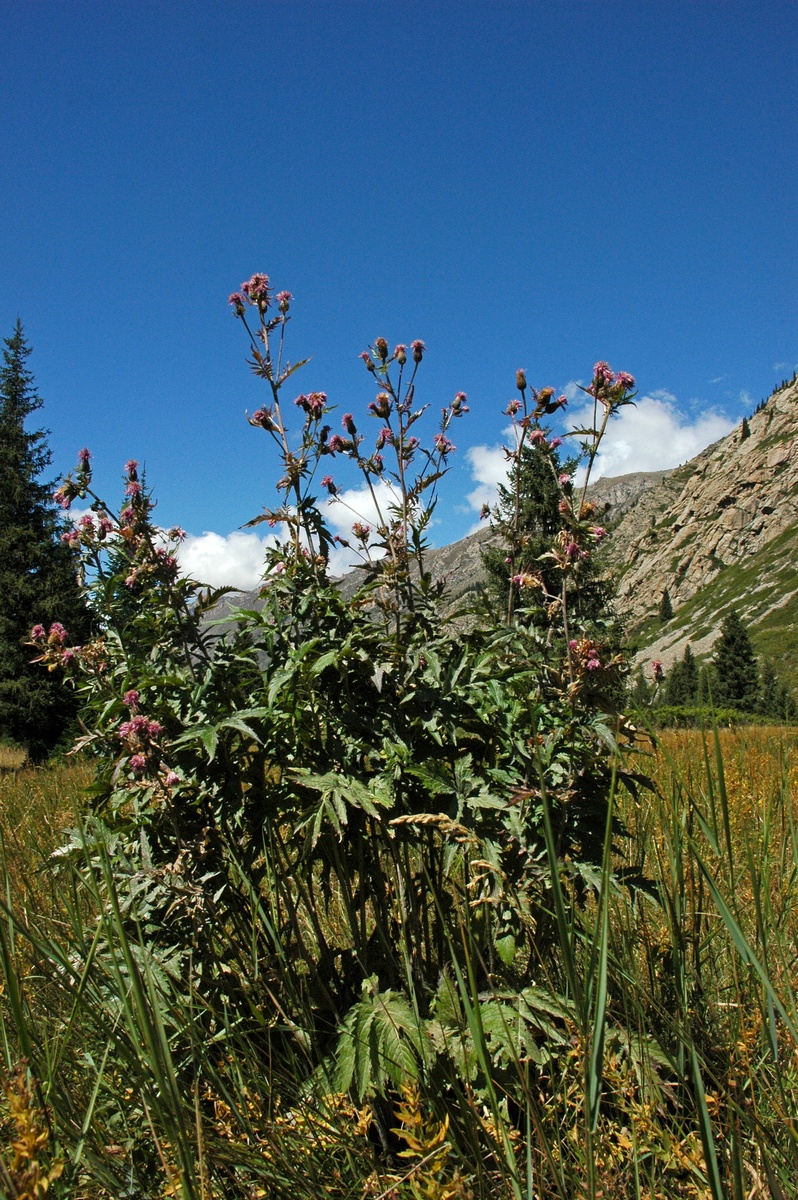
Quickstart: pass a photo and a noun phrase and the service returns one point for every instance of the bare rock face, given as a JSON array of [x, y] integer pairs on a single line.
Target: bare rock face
[[723, 506]]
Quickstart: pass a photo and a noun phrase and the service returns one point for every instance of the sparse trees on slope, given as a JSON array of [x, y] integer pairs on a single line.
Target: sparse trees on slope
[[38, 584]]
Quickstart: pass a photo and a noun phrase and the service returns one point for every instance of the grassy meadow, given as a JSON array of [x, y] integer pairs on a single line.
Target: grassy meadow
[[693, 1079]]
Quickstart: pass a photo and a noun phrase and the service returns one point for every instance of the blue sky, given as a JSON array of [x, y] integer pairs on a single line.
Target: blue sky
[[532, 185]]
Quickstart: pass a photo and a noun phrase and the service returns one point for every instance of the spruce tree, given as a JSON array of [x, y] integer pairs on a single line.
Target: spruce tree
[[538, 523], [665, 607], [775, 700], [38, 582], [681, 685], [735, 666], [745, 432]]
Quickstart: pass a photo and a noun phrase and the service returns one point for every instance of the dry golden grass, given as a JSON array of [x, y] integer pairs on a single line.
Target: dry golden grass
[[12, 758], [36, 805]]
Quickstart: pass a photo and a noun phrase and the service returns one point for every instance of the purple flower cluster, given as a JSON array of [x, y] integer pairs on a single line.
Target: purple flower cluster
[[313, 404], [256, 290]]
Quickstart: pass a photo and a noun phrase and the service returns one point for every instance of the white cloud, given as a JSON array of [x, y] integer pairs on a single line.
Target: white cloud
[[652, 435], [357, 504], [489, 466], [234, 560]]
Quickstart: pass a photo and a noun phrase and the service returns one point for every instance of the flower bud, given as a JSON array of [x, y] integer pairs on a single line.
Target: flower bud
[[520, 380], [381, 347]]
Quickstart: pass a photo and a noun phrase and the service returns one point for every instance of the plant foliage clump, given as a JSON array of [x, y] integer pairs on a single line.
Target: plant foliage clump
[[350, 838]]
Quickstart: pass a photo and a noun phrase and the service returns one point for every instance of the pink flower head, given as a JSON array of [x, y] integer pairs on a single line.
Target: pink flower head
[[68, 657], [657, 671], [537, 437], [381, 407], [459, 405], [361, 532], [313, 404], [377, 463], [154, 730], [443, 445], [37, 633], [57, 634], [177, 534], [83, 459], [418, 349], [400, 354], [328, 483], [384, 437], [284, 301], [262, 419], [367, 359], [104, 526], [593, 662], [87, 523], [131, 698], [348, 423], [71, 537], [624, 380], [603, 375], [237, 301], [137, 764], [555, 442], [132, 468], [256, 290], [133, 488], [171, 779], [137, 726], [127, 516], [65, 495], [513, 407], [564, 480], [599, 532], [337, 443]]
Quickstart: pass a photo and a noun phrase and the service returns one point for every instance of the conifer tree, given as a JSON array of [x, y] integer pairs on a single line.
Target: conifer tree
[[539, 521], [745, 432], [775, 699], [38, 583], [540, 473], [681, 686], [736, 669], [665, 607]]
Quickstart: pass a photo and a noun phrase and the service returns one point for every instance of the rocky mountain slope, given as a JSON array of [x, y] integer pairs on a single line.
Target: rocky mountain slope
[[719, 532]]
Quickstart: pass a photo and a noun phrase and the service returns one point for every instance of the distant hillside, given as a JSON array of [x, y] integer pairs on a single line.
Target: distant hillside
[[719, 532]]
